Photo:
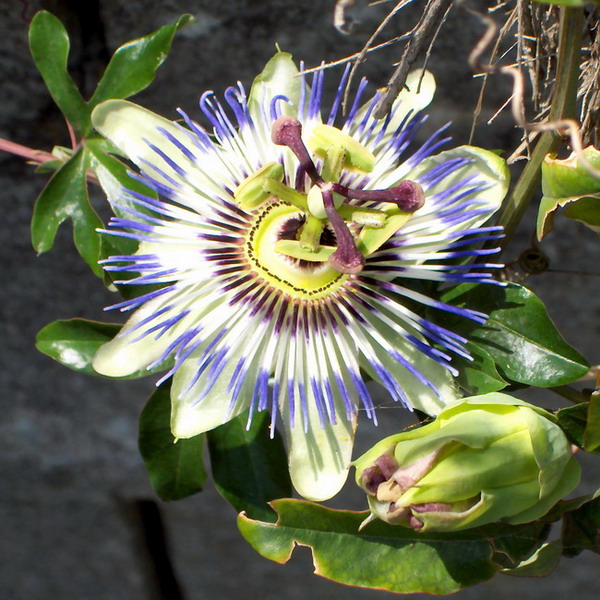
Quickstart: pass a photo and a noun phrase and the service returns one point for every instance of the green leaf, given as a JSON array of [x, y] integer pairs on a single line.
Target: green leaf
[[480, 375], [581, 529], [249, 468], [572, 421], [133, 66], [518, 335], [565, 506], [74, 342], [581, 423], [66, 196], [176, 468], [381, 556], [518, 545], [567, 183], [541, 562], [591, 436], [49, 44]]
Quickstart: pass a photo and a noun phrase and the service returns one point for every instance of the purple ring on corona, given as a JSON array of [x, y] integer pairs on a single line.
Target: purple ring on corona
[[281, 248]]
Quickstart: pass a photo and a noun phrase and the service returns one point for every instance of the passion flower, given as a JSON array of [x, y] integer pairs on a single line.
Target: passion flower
[[486, 458], [281, 251]]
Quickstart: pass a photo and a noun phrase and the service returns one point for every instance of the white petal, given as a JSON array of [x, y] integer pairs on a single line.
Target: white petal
[[122, 356], [421, 396], [133, 128], [189, 417], [320, 458], [127, 125], [485, 167]]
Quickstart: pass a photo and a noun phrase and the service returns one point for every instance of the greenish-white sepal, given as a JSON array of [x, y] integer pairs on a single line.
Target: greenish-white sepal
[[569, 480], [417, 95], [134, 129], [484, 166], [319, 458], [110, 185], [279, 77], [191, 415], [123, 355], [551, 449], [492, 398]]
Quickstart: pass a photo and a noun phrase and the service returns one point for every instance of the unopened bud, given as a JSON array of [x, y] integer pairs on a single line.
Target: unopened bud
[[484, 459]]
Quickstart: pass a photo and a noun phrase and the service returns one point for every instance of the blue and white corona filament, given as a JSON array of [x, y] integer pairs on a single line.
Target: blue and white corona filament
[[282, 251]]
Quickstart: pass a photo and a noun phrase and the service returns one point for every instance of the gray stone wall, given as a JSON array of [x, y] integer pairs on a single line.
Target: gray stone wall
[[71, 473]]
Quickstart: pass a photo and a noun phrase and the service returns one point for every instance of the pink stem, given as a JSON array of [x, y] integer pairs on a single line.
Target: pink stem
[[37, 156]]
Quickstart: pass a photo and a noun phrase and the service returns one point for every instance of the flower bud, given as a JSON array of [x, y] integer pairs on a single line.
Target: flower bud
[[485, 458]]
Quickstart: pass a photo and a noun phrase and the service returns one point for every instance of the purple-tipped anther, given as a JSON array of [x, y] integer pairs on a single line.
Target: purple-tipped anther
[[288, 132], [347, 258], [407, 195]]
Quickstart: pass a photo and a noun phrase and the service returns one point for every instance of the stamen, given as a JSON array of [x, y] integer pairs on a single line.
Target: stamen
[[347, 258]]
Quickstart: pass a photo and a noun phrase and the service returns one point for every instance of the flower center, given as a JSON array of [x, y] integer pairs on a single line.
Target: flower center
[[297, 277], [327, 203]]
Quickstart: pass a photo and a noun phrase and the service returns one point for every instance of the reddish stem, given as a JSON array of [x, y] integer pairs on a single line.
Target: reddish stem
[[36, 156]]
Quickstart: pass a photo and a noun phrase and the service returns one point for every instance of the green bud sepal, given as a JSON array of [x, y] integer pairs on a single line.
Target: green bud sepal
[[484, 459]]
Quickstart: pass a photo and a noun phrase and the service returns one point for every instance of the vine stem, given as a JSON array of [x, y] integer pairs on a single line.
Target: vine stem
[[563, 106], [36, 156]]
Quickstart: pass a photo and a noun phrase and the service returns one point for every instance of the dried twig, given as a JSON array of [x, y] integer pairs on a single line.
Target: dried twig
[[507, 25], [351, 57], [560, 126], [361, 55]]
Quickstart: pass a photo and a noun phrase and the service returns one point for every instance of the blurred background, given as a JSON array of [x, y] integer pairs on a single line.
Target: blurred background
[[78, 516]]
